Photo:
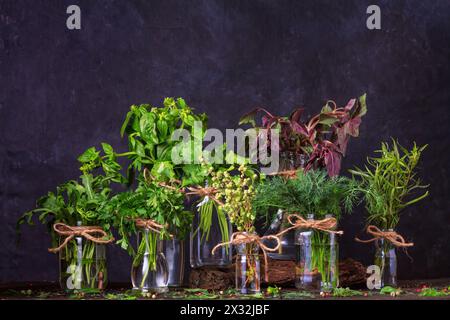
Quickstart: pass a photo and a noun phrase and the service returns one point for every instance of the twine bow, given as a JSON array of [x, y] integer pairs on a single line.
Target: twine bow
[[297, 221], [290, 174], [238, 238], [149, 178], [209, 192], [150, 225], [392, 236], [202, 192], [88, 232]]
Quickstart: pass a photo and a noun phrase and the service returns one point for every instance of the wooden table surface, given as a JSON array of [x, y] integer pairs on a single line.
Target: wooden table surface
[[121, 291]]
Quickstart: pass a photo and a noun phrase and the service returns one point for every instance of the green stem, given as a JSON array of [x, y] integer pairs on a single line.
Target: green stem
[[322, 257], [205, 223], [146, 250], [91, 265]]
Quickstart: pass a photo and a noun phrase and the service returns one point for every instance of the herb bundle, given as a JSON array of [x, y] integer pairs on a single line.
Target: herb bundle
[[152, 141], [234, 191], [206, 206], [148, 202], [313, 195], [237, 192], [81, 203], [389, 183], [322, 139], [310, 192], [154, 135]]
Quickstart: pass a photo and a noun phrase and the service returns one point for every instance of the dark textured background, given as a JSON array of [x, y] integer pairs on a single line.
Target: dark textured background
[[62, 91]]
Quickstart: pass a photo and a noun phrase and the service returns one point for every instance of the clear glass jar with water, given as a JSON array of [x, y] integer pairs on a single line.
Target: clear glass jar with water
[[386, 260], [149, 271], [82, 265], [248, 270], [317, 255]]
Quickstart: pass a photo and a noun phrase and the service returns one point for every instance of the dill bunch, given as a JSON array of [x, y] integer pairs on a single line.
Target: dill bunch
[[311, 192]]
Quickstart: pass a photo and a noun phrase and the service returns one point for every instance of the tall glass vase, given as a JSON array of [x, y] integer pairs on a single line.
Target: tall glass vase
[[317, 260], [386, 260], [210, 227], [82, 265], [174, 253], [248, 271], [149, 271], [288, 161]]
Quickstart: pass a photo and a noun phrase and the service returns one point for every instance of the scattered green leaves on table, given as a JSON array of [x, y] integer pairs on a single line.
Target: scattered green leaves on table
[[433, 292], [346, 292]]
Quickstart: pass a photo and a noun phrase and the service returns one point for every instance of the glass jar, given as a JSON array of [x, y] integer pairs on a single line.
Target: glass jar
[[386, 260], [248, 271], [149, 271], [286, 251], [82, 265], [174, 253], [210, 227], [288, 161], [317, 259]]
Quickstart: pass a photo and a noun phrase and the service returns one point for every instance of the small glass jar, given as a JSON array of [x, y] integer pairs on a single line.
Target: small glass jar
[[82, 265], [149, 271], [386, 260], [248, 271], [317, 259], [203, 239], [174, 253]]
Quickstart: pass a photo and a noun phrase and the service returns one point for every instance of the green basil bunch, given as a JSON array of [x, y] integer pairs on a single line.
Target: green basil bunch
[[150, 131]]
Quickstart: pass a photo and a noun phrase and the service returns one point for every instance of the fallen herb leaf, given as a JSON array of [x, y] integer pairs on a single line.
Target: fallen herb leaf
[[433, 292], [196, 290], [345, 292], [297, 295], [273, 291], [388, 290], [120, 296]]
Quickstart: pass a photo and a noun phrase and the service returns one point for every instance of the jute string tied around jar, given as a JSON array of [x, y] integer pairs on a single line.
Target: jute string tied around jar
[[175, 184], [150, 224], [238, 238], [297, 221], [289, 174], [203, 192], [93, 233], [391, 236]]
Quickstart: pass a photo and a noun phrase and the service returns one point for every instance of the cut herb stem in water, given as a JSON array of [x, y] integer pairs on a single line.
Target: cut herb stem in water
[[149, 269], [83, 265], [211, 226]]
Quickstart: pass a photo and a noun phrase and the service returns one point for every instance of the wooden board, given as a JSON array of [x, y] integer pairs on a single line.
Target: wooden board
[[281, 273]]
